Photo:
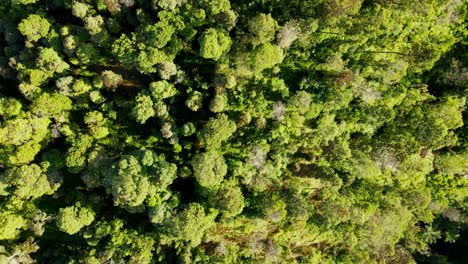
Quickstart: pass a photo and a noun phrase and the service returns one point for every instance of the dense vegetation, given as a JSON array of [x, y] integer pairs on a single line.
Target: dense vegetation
[[217, 131]]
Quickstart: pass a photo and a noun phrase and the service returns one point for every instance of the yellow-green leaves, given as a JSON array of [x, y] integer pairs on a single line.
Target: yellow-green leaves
[[230, 200], [158, 35], [79, 9], [34, 27], [50, 61], [10, 225], [29, 181], [214, 43], [266, 56], [162, 90], [97, 124], [54, 106], [20, 138], [214, 7], [263, 28], [73, 218], [9, 107], [144, 108]]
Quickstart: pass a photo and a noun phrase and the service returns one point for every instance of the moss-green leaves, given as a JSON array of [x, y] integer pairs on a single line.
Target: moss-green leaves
[[209, 168], [216, 131]]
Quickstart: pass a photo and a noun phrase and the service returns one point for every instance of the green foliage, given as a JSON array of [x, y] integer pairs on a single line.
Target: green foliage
[[216, 131], [167, 69], [266, 56], [230, 200], [144, 108], [110, 79], [94, 24], [190, 224], [29, 182], [209, 168], [452, 163], [124, 49], [20, 139], [263, 28], [126, 182], [218, 104], [9, 107], [195, 101], [158, 35], [50, 61], [215, 7], [72, 219], [214, 43], [34, 27], [79, 9], [10, 225], [55, 106], [75, 159], [96, 124], [162, 90], [124, 243]]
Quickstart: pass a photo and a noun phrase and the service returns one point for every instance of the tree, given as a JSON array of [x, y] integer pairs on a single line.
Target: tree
[[124, 49], [167, 69], [218, 103], [227, 19], [147, 59], [144, 108], [209, 168], [113, 6], [452, 163], [157, 35], [20, 139], [34, 27], [195, 101], [124, 243], [9, 107], [287, 34], [79, 9], [215, 131], [162, 90], [230, 200], [94, 24], [76, 155], [213, 44], [53, 106], [189, 225], [266, 56], [127, 183], [263, 28], [215, 7], [166, 4], [111, 80], [11, 225], [97, 124], [29, 182], [72, 219], [50, 61]]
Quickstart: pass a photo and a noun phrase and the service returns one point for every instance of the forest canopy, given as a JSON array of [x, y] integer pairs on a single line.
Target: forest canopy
[[218, 131]]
